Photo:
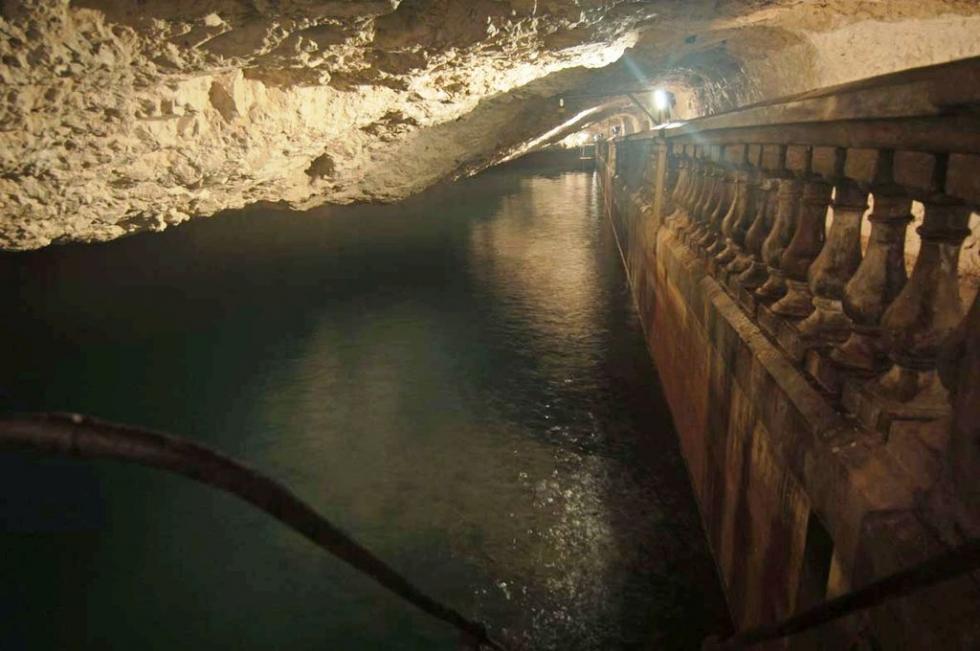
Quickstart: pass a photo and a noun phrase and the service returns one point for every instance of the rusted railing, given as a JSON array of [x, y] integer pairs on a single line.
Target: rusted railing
[[950, 565], [75, 435]]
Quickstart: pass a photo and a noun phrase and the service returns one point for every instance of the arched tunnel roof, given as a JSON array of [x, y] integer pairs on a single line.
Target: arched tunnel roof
[[121, 116]]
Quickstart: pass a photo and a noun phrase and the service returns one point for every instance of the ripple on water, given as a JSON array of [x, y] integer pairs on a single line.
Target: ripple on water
[[458, 380]]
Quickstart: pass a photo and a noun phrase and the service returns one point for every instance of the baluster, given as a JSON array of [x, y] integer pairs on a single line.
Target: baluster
[[880, 276], [724, 247], [838, 260], [835, 265], [704, 200], [928, 308], [701, 198], [755, 273], [690, 189], [676, 214], [738, 257], [691, 184], [714, 199], [715, 242], [722, 205], [685, 220], [787, 209], [803, 249]]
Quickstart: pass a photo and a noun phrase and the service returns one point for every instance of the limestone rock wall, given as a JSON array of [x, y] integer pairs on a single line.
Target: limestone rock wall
[[118, 116]]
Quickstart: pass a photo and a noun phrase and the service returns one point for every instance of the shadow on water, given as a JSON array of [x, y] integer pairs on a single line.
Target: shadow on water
[[458, 380]]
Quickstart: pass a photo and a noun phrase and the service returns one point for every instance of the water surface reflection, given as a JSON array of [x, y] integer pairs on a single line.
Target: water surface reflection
[[458, 380]]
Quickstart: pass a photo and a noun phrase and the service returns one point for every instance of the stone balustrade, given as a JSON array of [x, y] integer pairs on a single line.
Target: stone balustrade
[[842, 240], [761, 226], [863, 330]]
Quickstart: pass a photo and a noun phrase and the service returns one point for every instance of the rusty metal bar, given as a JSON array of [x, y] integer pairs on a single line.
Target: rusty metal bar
[[959, 561], [75, 435]]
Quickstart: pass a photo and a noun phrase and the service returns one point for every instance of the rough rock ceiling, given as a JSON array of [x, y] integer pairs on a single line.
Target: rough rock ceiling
[[125, 115]]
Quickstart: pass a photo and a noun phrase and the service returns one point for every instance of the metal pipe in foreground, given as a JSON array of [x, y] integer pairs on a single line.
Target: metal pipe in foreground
[[959, 561], [75, 435]]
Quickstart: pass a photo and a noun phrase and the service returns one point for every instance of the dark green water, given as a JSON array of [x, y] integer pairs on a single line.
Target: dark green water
[[459, 381]]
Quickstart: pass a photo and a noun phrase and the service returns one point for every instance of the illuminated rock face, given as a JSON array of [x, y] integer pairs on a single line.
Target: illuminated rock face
[[117, 116]]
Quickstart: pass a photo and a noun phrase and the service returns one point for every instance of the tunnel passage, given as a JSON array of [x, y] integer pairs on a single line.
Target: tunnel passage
[[122, 117]]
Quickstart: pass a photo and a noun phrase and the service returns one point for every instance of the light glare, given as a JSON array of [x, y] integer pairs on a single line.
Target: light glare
[[660, 100]]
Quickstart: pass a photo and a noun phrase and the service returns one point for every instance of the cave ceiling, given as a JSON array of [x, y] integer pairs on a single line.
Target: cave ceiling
[[126, 115]]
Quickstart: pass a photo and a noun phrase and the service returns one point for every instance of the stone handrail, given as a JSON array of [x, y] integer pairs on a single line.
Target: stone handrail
[[773, 200]]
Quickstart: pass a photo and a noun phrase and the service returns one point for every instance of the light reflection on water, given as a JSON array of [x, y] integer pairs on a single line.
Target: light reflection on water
[[459, 381]]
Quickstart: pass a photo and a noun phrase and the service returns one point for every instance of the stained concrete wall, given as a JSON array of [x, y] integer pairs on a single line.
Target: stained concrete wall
[[799, 504]]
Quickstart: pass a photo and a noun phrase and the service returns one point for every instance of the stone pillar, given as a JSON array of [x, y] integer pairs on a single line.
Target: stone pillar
[[676, 209], [684, 193], [880, 276], [926, 311], [707, 203], [722, 206], [725, 250], [754, 273], [691, 183], [803, 249], [835, 265], [783, 227], [748, 213], [705, 183], [725, 247]]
